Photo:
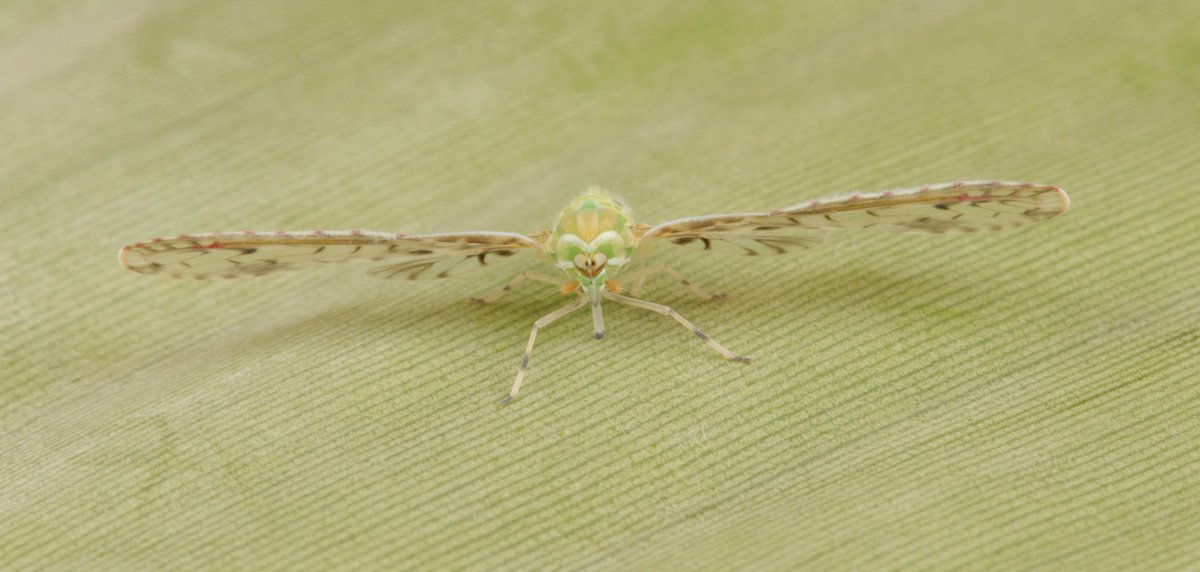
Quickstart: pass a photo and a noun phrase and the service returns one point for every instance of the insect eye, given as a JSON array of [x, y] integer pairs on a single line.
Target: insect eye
[[599, 259], [580, 261]]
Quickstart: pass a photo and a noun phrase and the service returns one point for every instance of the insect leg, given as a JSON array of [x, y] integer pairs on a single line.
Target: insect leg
[[638, 283], [638, 277], [539, 324], [597, 315], [668, 311], [527, 275], [641, 276]]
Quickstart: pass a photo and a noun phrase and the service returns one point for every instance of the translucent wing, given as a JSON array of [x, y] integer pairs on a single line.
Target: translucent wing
[[950, 207], [412, 257]]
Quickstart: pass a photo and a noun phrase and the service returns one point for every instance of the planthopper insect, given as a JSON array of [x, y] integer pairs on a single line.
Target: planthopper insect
[[595, 241]]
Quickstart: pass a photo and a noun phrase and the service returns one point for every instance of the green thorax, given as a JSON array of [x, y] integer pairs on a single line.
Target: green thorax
[[594, 229]]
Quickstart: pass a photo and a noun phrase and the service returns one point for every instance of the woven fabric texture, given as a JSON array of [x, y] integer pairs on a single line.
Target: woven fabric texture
[[1025, 399]]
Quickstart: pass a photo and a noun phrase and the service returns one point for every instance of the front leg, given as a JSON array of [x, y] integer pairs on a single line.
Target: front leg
[[671, 313], [526, 275], [539, 324]]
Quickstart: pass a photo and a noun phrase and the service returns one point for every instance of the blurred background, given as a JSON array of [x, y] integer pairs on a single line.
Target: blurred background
[[1023, 399]]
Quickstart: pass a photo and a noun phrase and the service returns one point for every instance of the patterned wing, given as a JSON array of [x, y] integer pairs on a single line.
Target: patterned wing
[[950, 207], [411, 257]]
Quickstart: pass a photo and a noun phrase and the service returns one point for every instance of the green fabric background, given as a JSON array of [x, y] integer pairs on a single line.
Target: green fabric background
[[1024, 399]]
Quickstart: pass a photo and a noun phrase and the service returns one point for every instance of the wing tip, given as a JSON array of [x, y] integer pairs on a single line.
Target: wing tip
[[1057, 201], [132, 260], [1059, 204], [123, 257], [1063, 198]]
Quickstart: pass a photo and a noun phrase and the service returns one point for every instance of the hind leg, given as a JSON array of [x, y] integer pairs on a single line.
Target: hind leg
[[639, 280], [527, 275]]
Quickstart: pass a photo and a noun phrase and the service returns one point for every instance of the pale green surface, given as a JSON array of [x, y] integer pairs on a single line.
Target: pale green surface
[[1025, 399]]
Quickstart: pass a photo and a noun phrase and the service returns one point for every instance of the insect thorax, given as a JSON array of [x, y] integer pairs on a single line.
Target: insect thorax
[[593, 229]]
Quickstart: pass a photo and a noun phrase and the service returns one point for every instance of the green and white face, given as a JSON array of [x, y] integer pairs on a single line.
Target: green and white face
[[593, 240]]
